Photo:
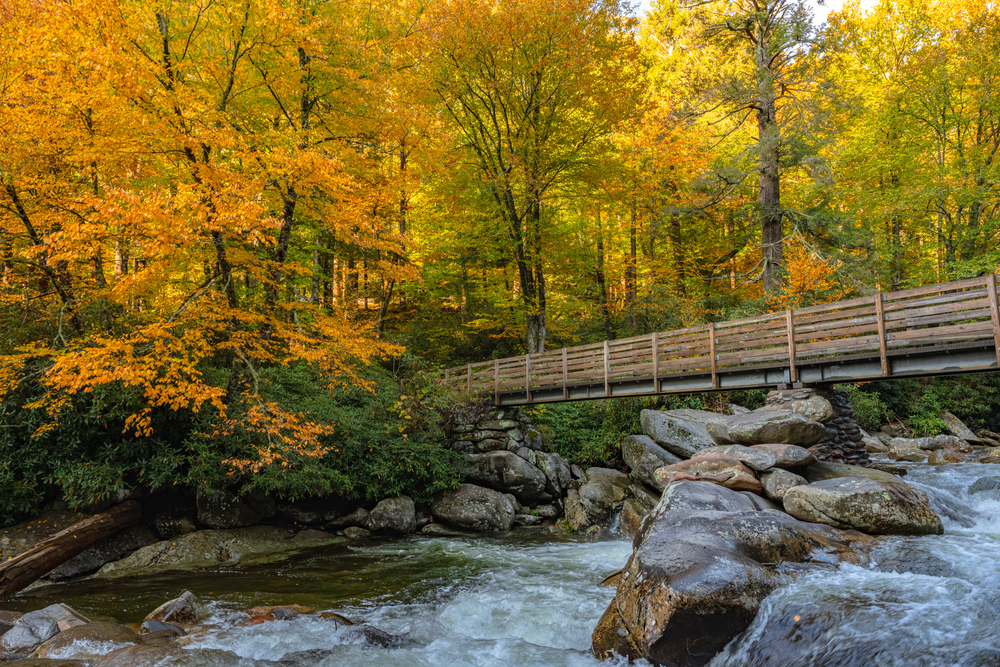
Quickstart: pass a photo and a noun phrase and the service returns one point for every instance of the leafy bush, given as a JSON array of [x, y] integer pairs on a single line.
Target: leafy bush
[[870, 411]]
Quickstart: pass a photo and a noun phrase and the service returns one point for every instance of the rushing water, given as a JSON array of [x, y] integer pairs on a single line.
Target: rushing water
[[532, 599]]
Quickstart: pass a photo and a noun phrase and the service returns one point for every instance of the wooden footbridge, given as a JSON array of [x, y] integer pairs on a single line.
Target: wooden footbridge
[[942, 329]]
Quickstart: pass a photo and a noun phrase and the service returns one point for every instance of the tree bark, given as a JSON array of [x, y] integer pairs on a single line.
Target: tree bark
[[680, 270], [768, 138], [602, 285], [26, 568]]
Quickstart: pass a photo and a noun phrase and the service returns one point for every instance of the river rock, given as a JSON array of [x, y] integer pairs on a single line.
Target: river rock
[[703, 562], [942, 456], [805, 402], [356, 533], [393, 515], [681, 432], [556, 470], [576, 516], [643, 457], [767, 426], [987, 486], [218, 508], [358, 517], [107, 550], [631, 516], [145, 655], [822, 470], [918, 456], [990, 456], [958, 428], [610, 638], [788, 456], [752, 458], [440, 530], [475, 508], [777, 482], [168, 526], [605, 489], [952, 443], [864, 504], [715, 468], [87, 642], [182, 609], [35, 627], [505, 472]]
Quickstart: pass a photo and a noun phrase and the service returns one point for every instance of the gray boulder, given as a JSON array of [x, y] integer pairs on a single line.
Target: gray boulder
[[87, 642], [643, 457], [556, 470], [766, 426], [681, 432], [475, 508], [788, 456], [777, 482], [805, 402], [505, 472], [605, 490], [864, 504], [182, 609], [959, 429], [393, 515], [35, 627], [986, 486], [753, 458], [703, 562], [218, 509]]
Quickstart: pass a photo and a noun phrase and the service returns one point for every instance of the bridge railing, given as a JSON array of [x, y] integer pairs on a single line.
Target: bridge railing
[[887, 324]]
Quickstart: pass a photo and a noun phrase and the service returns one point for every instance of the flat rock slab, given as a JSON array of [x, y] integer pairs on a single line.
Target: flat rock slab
[[681, 432], [716, 468], [822, 470], [766, 426], [757, 459], [864, 504], [788, 456]]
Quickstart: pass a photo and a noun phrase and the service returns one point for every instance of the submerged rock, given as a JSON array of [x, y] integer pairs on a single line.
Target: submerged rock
[[474, 508], [987, 486], [864, 504], [87, 642], [35, 627], [681, 432], [182, 609], [718, 469], [768, 426], [702, 564]]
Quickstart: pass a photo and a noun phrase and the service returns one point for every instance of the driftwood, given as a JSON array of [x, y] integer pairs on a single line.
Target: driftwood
[[25, 568]]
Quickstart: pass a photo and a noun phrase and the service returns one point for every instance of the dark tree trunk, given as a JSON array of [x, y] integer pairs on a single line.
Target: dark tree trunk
[[680, 270], [602, 286]]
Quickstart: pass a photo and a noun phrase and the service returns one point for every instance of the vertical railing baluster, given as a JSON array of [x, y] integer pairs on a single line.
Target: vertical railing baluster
[[790, 321], [656, 363], [565, 364], [880, 322], [991, 288]]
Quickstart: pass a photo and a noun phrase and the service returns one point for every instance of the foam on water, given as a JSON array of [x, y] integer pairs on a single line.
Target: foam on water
[[930, 601], [483, 603]]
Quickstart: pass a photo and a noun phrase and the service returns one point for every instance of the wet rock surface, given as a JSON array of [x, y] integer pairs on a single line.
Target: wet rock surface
[[474, 508], [715, 468]]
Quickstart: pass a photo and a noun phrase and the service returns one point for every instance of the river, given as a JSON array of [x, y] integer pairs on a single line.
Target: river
[[531, 599]]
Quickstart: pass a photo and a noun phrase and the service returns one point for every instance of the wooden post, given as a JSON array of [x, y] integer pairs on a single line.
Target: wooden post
[[711, 353], [607, 368], [656, 363], [991, 288], [790, 319], [880, 320], [527, 378], [447, 377], [496, 382], [565, 373], [468, 379]]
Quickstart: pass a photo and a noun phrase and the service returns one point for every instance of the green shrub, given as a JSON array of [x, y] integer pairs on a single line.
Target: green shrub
[[870, 410], [589, 433]]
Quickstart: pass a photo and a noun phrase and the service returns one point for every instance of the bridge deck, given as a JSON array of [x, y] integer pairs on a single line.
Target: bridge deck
[[935, 330]]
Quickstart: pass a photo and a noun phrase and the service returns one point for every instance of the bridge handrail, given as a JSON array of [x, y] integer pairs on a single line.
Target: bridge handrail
[[890, 323]]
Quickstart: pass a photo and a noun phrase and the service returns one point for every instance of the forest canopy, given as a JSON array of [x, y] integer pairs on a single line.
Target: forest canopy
[[228, 225]]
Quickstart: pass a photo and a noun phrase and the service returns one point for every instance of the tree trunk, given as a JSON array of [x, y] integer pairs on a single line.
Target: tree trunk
[[768, 153], [631, 270], [26, 568], [602, 288], [680, 274]]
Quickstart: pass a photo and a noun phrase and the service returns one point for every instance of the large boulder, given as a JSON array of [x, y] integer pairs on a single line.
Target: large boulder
[[681, 432], [556, 470], [505, 472], [218, 509], [788, 456], [805, 402], [864, 504], [959, 429], [474, 508], [766, 426], [393, 515], [751, 457], [703, 561], [986, 486], [110, 549], [777, 482], [643, 457], [605, 490], [715, 468], [822, 470]]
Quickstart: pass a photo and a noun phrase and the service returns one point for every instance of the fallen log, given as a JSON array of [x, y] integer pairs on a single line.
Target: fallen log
[[25, 568]]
